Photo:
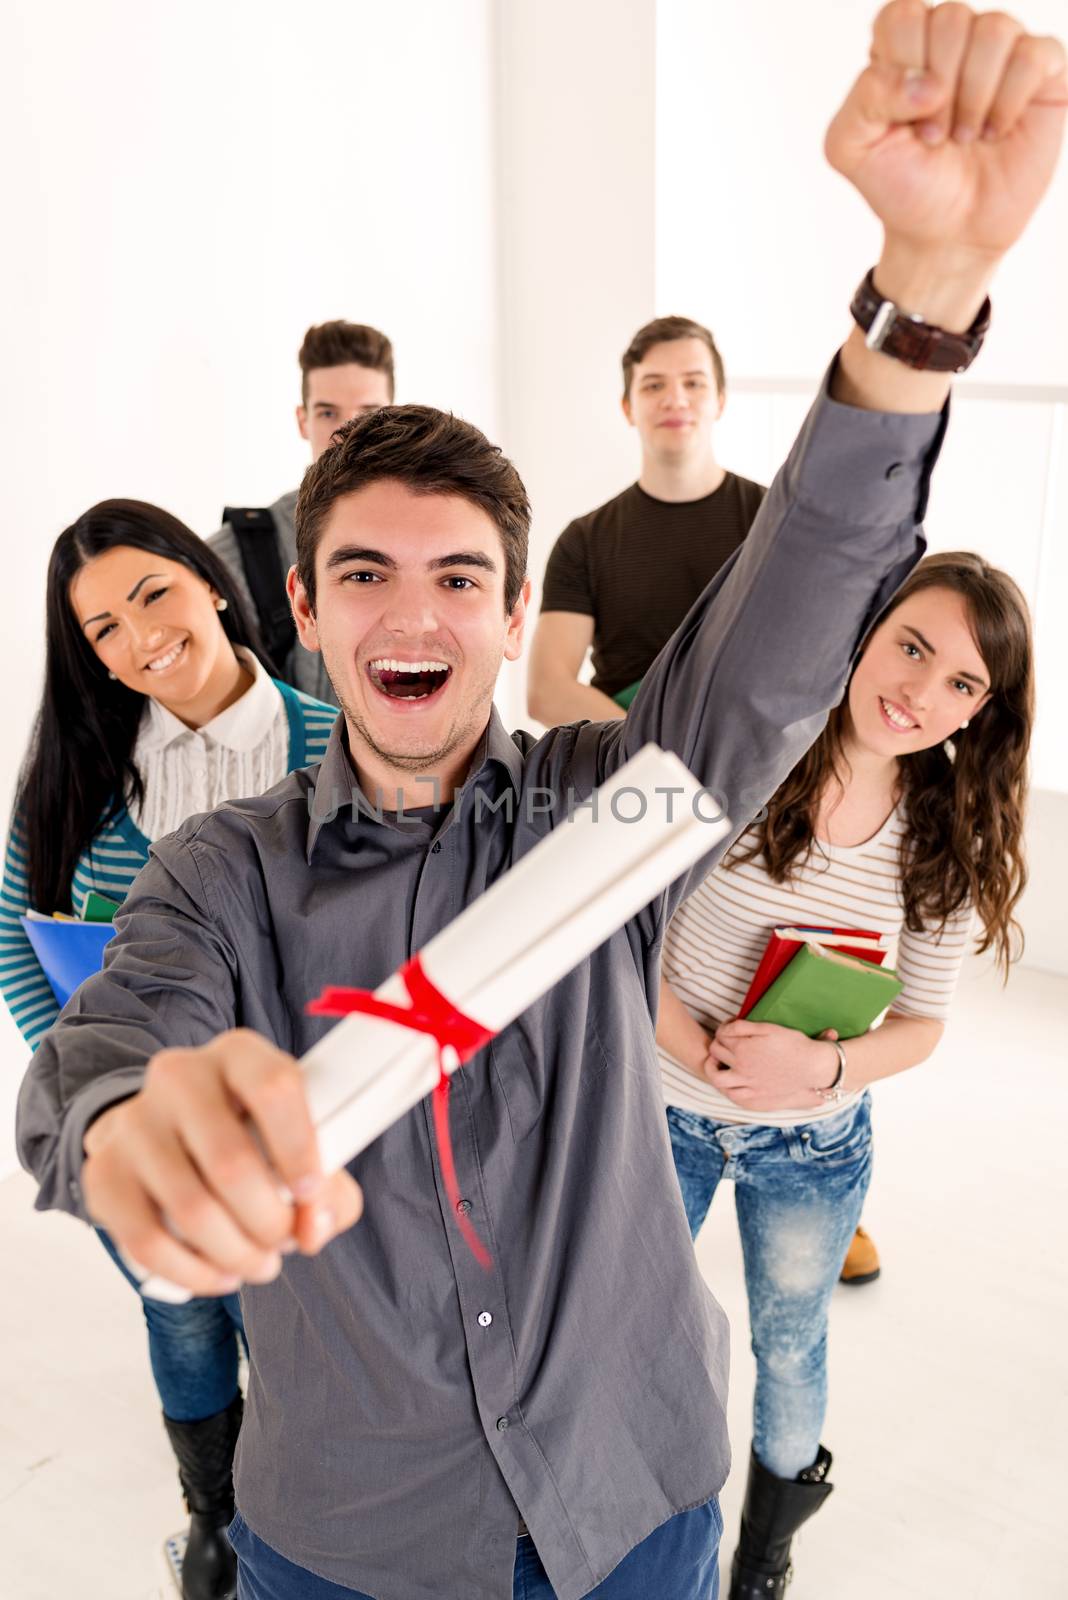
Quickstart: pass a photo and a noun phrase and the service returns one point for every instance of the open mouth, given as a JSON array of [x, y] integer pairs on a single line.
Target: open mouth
[[408, 680], [895, 717], [168, 658]]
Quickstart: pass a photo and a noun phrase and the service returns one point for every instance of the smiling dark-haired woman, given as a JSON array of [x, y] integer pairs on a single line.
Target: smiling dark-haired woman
[[156, 705]]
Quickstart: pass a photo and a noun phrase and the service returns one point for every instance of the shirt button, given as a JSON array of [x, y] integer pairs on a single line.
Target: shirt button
[[895, 471], [463, 1207], [502, 1424], [435, 847], [485, 1318]]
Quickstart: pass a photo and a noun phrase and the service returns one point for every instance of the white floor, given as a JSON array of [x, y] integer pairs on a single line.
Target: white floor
[[948, 1399]]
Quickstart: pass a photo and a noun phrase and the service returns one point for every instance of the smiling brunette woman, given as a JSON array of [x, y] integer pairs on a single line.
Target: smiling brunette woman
[[155, 706], [905, 818]]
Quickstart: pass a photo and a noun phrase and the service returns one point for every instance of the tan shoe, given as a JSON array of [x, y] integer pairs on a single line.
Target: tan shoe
[[862, 1260]]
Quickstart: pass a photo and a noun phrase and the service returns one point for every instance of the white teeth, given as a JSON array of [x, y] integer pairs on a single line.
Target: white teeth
[[389, 664], [163, 662], [895, 716]]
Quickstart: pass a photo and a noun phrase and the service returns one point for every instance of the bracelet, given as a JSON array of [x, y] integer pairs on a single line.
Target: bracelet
[[835, 1091]]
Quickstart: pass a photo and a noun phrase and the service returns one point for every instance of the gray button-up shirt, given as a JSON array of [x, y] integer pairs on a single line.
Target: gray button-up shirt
[[404, 1402]]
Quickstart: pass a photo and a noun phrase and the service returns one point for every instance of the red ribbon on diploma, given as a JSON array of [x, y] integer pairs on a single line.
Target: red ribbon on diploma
[[430, 1012]]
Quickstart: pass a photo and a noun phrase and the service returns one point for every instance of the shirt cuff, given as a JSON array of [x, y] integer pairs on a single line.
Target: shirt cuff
[[93, 1101], [868, 468]]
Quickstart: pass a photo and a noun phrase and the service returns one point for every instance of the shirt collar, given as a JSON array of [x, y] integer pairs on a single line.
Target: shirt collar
[[242, 726], [497, 745], [336, 781]]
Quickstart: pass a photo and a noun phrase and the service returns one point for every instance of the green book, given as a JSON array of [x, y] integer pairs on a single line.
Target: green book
[[822, 988], [625, 696], [98, 908]]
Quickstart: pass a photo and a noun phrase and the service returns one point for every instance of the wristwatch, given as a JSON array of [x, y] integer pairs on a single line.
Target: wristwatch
[[909, 339], [835, 1091]]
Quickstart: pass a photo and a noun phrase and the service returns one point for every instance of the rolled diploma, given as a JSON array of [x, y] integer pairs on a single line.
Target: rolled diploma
[[565, 897]]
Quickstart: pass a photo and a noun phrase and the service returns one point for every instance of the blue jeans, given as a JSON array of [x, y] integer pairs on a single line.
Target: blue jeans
[[193, 1349], [798, 1194], [678, 1561]]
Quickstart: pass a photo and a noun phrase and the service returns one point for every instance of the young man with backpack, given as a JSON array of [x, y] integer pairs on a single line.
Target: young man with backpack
[[346, 370]]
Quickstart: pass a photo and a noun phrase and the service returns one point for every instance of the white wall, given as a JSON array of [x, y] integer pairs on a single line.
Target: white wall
[[194, 185], [1041, 912], [576, 97]]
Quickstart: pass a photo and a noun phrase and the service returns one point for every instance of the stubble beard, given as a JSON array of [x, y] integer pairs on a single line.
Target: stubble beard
[[466, 730]]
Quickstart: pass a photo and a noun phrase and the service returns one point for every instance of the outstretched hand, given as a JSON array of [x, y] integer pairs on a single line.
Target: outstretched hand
[[952, 132], [177, 1178]]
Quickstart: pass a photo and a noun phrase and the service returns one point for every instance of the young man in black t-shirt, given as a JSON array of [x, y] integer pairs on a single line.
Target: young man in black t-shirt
[[622, 578]]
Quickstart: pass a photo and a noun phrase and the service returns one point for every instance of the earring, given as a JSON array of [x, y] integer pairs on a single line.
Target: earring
[[113, 676], [221, 604], [964, 724]]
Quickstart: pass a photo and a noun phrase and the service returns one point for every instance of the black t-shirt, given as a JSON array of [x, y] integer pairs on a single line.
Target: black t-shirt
[[636, 565]]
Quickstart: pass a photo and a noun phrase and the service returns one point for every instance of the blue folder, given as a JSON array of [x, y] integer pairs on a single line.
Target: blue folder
[[69, 952]]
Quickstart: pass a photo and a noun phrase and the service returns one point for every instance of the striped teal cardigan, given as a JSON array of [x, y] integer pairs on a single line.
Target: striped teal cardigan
[[110, 865]]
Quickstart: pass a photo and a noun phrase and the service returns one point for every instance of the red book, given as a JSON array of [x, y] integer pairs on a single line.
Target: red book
[[784, 944]]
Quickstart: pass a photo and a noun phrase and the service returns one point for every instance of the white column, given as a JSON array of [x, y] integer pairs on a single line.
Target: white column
[[576, 133]]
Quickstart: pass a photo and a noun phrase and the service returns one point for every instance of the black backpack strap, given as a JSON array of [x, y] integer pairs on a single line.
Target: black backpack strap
[[257, 542]]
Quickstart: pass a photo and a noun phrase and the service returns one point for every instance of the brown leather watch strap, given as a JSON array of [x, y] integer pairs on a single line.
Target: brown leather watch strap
[[909, 339]]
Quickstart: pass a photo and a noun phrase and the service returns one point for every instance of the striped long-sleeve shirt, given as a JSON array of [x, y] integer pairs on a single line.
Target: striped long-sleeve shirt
[[118, 852], [716, 940]]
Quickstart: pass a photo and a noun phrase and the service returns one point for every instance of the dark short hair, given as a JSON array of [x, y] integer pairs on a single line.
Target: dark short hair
[[662, 331], [429, 452], [336, 344]]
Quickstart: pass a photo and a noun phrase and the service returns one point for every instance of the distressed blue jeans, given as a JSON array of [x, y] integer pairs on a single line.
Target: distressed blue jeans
[[798, 1194], [193, 1349]]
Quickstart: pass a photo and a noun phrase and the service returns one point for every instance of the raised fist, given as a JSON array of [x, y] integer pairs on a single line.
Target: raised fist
[[952, 132]]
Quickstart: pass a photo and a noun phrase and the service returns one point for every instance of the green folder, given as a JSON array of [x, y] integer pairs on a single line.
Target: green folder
[[98, 908], [822, 988], [625, 696]]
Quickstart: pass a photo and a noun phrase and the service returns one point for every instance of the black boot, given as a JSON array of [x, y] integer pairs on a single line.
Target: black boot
[[774, 1509], [205, 1452]]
